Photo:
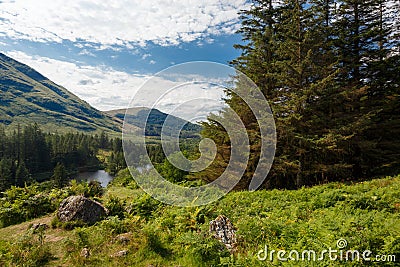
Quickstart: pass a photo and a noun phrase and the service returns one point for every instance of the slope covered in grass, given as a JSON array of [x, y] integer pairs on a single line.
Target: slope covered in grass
[[366, 215], [26, 97]]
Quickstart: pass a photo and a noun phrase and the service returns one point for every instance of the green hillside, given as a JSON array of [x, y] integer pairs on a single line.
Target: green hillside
[[153, 120], [26, 97], [366, 215]]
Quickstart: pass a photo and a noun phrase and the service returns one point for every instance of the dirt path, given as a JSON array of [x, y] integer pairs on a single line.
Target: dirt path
[[12, 232]]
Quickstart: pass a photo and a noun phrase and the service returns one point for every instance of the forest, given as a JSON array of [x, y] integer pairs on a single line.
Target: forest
[[29, 154], [330, 71]]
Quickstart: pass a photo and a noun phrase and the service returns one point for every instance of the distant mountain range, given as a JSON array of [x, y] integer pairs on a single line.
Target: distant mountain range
[[26, 96], [153, 120]]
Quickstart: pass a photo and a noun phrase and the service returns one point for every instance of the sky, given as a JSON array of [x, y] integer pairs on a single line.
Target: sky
[[104, 51]]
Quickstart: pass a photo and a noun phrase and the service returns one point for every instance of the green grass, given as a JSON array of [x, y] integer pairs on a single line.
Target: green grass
[[366, 215]]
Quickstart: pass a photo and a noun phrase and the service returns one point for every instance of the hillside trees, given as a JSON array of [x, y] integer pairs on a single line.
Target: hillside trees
[[328, 70], [28, 152]]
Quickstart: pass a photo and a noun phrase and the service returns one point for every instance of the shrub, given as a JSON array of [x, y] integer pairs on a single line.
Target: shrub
[[94, 189], [116, 207], [21, 204], [144, 206]]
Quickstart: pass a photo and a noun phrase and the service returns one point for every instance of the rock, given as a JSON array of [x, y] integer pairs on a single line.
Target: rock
[[121, 253], [123, 238], [80, 208], [85, 253], [223, 230]]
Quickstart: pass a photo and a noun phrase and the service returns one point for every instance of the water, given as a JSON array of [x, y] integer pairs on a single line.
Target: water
[[101, 176]]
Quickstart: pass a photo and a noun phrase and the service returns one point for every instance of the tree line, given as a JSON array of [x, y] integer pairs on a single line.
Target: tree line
[[330, 71], [27, 153]]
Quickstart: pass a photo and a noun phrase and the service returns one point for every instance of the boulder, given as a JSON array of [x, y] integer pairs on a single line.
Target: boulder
[[223, 230], [80, 208]]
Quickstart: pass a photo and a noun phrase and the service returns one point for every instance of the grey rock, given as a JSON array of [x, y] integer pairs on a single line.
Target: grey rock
[[80, 208], [223, 230], [121, 253], [123, 238]]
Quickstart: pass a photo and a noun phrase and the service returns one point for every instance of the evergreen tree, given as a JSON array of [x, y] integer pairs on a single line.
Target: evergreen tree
[[60, 176], [22, 175], [6, 177], [329, 71]]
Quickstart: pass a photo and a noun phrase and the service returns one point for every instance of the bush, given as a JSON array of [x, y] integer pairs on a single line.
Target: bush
[[115, 207], [144, 206], [21, 204], [91, 189], [94, 189]]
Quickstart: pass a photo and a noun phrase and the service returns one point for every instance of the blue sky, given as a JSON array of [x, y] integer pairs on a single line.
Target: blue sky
[[103, 51]]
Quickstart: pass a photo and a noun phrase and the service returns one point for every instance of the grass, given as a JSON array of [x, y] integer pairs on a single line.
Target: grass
[[366, 215]]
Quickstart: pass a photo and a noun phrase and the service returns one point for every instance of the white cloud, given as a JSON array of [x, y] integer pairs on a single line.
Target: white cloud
[[146, 56], [119, 23], [86, 52], [102, 87], [106, 88]]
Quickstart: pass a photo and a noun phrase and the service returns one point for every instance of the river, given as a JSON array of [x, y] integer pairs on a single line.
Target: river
[[101, 176]]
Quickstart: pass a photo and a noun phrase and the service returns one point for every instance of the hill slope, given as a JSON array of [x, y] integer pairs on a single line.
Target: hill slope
[[26, 96], [365, 215], [155, 120]]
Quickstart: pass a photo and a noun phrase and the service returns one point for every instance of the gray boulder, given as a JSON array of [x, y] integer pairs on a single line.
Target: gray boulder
[[223, 230], [80, 208]]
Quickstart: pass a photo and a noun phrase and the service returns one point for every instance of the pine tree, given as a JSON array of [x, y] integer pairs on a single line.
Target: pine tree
[[6, 178], [22, 175], [60, 176], [364, 48], [329, 71]]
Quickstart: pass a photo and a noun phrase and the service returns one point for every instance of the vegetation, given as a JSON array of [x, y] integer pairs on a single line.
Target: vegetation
[[29, 154], [20, 204], [366, 214], [154, 120], [329, 71]]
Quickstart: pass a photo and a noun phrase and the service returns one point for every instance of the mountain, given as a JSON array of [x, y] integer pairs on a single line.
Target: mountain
[[26, 97], [155, 121]]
